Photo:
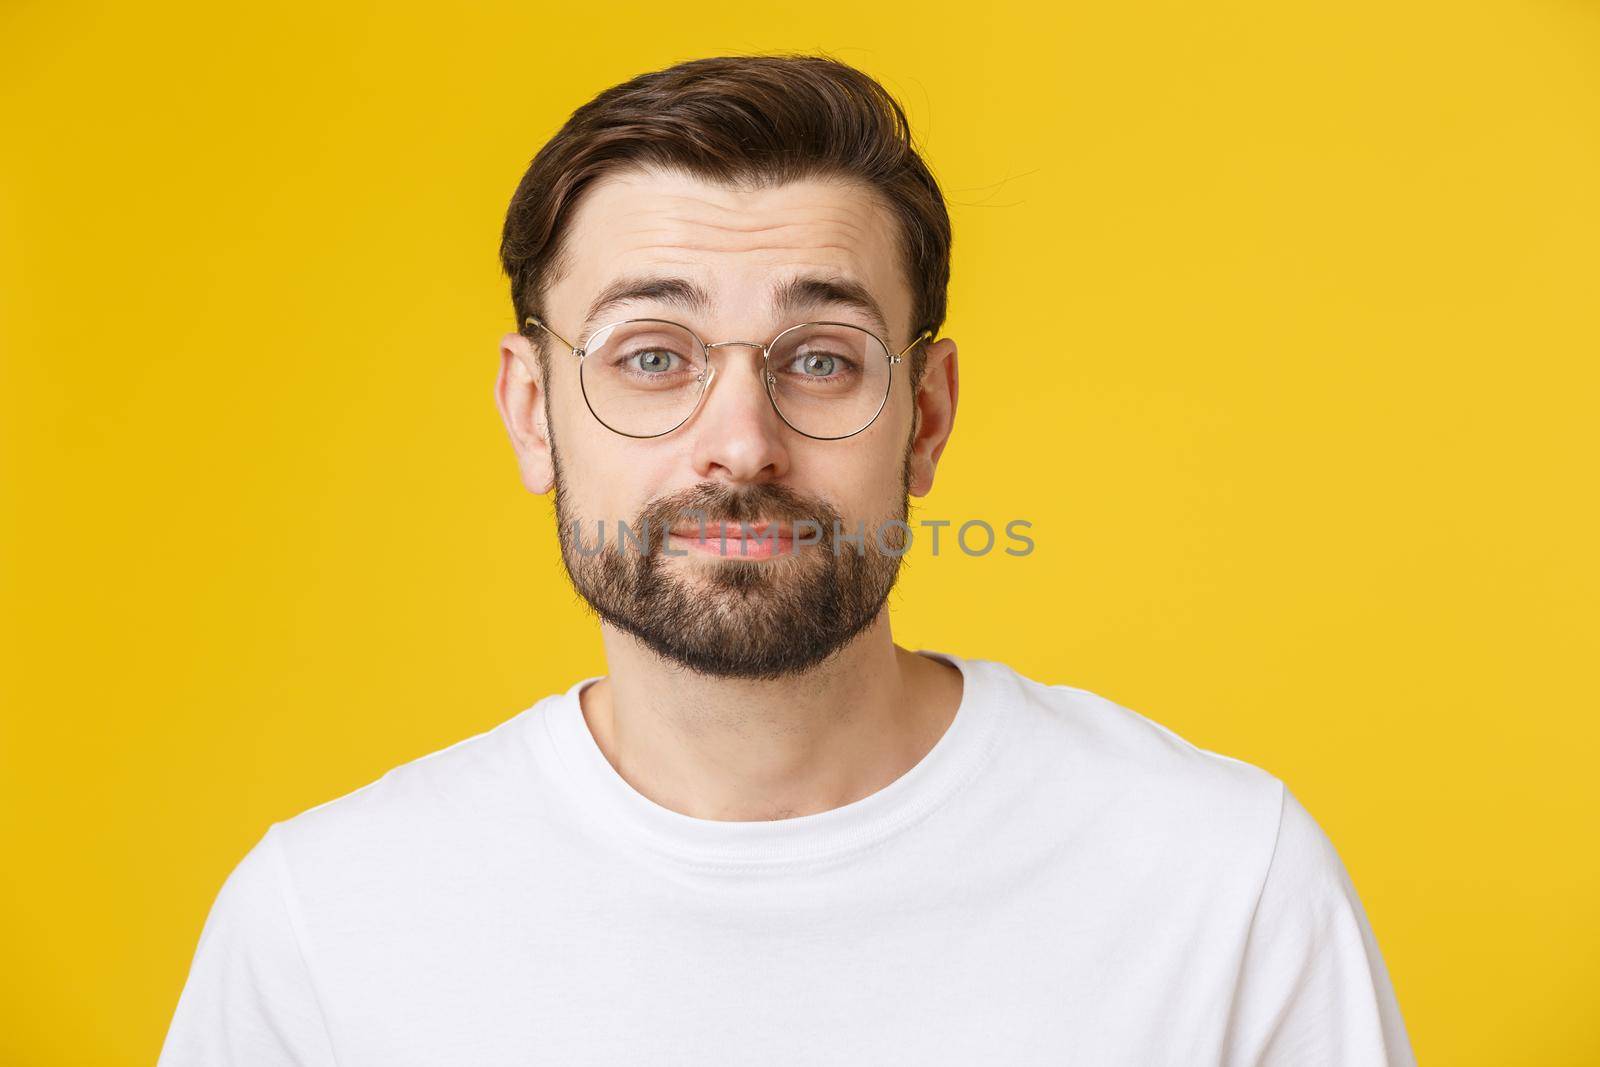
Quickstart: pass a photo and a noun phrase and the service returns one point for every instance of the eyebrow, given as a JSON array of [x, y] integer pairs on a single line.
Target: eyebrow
[[789, 296]]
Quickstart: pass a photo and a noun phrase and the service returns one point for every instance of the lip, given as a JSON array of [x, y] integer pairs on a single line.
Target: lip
[[732, 531], [728, 540]]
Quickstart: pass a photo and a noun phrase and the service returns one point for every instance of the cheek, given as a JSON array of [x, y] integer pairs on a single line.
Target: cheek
[[596, 464], [888, 442], [610, 477], [861, 476]]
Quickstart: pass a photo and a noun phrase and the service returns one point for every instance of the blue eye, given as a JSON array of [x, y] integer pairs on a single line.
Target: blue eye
[[818, 364], [653, 360]]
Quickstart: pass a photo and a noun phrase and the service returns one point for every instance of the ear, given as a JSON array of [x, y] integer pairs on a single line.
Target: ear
[[934, 414], [519, 394]]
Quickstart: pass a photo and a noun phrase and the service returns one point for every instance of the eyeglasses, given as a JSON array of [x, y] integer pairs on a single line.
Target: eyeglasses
[[645, 377]]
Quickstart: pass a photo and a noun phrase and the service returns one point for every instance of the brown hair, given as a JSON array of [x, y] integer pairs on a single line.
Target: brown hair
[[741, 120]]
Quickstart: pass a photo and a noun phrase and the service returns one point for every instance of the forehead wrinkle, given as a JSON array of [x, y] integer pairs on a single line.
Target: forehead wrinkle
[[683, 233], [856, 218], [821, 198], [799, 215], [766, 227], [841, 227], [744, 250], [686, 196]]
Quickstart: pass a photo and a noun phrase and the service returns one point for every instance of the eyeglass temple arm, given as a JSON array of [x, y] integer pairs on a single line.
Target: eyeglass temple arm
[[925, 335], [535, 321]]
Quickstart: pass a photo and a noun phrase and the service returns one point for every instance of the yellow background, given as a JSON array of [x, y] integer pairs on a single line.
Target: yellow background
[[1276, 320]]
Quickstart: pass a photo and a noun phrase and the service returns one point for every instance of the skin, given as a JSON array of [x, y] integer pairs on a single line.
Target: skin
[[729, 748]]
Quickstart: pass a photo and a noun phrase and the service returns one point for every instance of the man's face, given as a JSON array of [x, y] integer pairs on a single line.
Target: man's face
[[744, 609]]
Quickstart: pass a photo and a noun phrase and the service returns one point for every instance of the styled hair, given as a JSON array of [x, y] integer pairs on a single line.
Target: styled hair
[[747, 121]]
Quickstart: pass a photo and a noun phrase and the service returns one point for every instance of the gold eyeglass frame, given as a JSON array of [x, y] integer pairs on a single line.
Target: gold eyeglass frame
[[711, 371]]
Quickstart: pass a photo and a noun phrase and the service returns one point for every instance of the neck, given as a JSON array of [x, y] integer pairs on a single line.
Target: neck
[[746, 750]]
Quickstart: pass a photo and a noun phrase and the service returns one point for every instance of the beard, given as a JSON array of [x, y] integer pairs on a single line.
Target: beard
[[729, 617]]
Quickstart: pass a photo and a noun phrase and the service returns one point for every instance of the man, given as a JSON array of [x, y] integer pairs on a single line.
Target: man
[[769, 835]]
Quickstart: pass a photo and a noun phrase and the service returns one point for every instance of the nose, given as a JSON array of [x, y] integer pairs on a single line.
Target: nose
[[738, 437]]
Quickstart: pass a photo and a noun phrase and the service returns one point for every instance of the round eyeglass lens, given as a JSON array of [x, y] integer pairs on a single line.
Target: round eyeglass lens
[[828, 379], [642, 377]]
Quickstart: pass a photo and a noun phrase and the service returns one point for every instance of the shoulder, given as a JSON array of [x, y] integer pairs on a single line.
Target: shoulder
[[425, 803], [1084, 732], [1144, 788]]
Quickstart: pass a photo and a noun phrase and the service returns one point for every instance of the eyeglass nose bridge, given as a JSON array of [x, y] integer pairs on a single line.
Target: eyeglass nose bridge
[[712, 371]]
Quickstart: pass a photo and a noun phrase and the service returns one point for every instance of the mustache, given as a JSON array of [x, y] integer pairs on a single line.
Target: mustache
[[709, 503]]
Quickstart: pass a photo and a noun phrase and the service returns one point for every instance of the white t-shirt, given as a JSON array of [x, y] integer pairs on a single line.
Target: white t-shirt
[[1060, 880]]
